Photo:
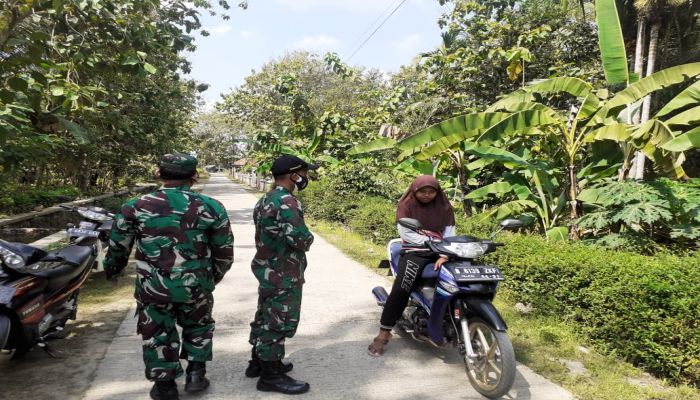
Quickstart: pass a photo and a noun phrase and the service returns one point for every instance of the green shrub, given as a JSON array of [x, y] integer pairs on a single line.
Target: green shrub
[[321, 202], [375, 219], [17, 199], [643, 308], [639, 214], [361, 178]]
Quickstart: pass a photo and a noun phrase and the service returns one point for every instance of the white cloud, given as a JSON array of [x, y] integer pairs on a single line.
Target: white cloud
[[408, 44], [245, 35], [221, 29], [317, 43]]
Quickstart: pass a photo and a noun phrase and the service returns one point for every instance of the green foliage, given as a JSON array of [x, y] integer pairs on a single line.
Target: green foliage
[[663, 211], [642, 308], [374, 219], [301, 103], [17, 199], [340, 192], [488, 44], [93, 89]]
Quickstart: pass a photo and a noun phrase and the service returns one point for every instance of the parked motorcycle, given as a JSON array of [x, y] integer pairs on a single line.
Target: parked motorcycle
[[97, 222], [454, 305], [39, 289]]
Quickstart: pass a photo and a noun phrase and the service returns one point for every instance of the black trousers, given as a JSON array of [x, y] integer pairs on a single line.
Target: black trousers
[[410, 268]]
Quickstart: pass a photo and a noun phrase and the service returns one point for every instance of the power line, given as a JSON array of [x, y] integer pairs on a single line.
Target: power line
[[388, 7], [375, 31]]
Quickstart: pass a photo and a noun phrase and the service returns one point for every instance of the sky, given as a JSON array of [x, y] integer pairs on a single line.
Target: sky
[[268, 29]]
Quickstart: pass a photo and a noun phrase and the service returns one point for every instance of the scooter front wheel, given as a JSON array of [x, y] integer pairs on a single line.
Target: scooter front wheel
[[492, 369]]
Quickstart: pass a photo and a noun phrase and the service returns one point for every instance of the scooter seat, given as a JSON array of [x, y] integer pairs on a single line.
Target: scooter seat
[[428, 272], [75, 255], [71, 263]]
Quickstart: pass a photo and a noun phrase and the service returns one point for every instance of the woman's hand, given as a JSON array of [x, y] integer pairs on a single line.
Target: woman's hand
[[440, 261]]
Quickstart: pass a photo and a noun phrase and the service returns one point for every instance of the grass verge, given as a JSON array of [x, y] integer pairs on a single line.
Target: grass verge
[[97, 292], [550, 347]]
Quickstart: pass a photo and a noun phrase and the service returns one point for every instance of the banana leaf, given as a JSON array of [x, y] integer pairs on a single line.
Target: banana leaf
[[466, 125], [375, 145], [652, 83], [616, 132], [509, 101], [683, 142], [511, 208], [611, 42], [574, 86], [685, 118], [496, 188], [691, 95], [558, 233], [519, 122], [494, 153], [589, 106], [651, 136]]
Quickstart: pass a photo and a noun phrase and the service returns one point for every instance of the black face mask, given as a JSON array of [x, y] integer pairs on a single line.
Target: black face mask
[[301, 183]]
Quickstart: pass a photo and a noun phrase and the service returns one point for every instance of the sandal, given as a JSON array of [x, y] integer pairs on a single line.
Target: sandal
[[376, 349]]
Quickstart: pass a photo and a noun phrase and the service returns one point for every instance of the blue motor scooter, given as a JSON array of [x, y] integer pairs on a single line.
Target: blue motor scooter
[[454, 305]]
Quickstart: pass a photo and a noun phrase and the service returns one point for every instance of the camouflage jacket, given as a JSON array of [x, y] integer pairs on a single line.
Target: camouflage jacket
[[183, 243], [281, 238]]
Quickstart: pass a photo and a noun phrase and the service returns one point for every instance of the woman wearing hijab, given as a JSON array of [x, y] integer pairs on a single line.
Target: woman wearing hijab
[[425, 201]]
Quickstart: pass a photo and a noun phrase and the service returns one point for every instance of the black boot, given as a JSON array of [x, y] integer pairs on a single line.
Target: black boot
[[274, 380], [164, 390], [195, 381], [254, 368]]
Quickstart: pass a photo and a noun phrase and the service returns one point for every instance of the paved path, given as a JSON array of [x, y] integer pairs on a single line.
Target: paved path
[[339, 318]]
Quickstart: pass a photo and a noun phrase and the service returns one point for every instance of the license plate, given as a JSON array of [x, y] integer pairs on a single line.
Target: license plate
[[6, 294], [82, 232], [473, 274]]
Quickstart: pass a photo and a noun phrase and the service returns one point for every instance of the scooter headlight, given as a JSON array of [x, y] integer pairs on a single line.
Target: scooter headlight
[[467, 250], [93, 215], [11, 259], [447, 281]]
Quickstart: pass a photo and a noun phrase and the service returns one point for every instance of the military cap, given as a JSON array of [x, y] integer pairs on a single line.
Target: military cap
[[178, 164], [287, 164]]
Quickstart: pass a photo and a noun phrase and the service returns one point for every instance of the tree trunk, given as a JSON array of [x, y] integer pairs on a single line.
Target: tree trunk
[[646, 105], [639, 70], [573, 203], [639, 55], [467, 204]]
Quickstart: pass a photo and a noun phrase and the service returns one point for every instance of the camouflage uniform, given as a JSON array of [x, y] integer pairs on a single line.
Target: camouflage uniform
[[281, 239], [184, 246]]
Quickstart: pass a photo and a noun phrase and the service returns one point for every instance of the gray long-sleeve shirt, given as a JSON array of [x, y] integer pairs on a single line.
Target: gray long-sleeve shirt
[[409, 236]]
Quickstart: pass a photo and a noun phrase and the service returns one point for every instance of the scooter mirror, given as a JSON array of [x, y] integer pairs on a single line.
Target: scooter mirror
[[410, 223], [511, 223]]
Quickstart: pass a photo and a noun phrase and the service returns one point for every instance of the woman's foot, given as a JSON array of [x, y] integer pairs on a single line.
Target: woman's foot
[[376, 349]]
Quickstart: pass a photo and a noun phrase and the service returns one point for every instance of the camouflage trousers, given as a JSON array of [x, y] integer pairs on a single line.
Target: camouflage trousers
[[161, 342], [276, 319]]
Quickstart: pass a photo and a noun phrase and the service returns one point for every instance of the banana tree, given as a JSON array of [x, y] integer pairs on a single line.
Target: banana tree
[[593, 118], [441, 143]]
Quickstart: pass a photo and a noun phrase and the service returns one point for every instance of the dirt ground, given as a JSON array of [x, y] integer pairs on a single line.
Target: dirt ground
[[101, 309]]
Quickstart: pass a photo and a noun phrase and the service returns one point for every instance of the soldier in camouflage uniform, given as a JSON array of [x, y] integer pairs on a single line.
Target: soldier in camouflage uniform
[[281, 239], [184, 246]]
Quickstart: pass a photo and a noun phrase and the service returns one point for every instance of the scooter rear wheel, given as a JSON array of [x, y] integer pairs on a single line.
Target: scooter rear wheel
[[492, 372]]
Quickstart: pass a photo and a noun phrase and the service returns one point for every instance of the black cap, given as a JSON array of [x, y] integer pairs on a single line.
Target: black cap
[[287, 164]]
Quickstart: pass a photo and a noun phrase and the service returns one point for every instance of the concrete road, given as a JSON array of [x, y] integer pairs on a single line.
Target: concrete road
[[338, 320]]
